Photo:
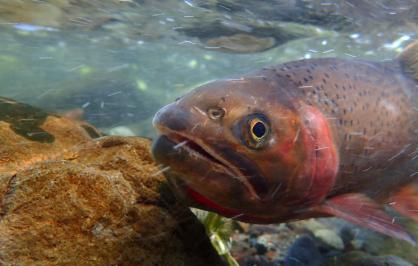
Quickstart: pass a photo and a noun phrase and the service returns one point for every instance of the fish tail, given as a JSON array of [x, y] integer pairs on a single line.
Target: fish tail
[[409, 59]]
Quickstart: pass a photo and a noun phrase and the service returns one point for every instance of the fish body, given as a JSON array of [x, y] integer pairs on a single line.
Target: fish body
[[310, 138]]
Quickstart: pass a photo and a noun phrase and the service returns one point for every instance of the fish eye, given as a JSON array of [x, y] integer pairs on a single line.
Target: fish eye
[[258, 129], [216, 113], [254, 130]]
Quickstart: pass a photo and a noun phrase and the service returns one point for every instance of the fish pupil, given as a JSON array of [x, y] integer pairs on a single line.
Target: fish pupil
[[259, 129]]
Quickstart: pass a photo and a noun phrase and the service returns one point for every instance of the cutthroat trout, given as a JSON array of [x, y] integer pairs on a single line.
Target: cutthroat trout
[[304, 139]]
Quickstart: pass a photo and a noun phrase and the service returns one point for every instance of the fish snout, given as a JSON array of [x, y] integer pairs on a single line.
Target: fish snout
[[171, 117]]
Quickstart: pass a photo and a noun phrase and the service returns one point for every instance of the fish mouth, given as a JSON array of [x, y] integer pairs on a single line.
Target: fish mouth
[[197, 150]]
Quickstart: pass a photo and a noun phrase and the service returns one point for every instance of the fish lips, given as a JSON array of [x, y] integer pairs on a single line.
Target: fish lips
[[195, 172]]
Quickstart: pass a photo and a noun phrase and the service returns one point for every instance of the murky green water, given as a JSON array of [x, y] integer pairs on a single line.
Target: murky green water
[[120, 61]]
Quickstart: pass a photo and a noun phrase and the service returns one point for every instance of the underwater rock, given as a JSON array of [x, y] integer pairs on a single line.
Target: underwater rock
[[319, 241], [359, 258], [150, 20], [19, 11], [240, 43], [258, 261], [303, 12], [121, 131], [304, 252], [333, 15], [262, 244], [246, 36], [101, 203], [356, 238], [29, 134], [330, 238], [376, 244]]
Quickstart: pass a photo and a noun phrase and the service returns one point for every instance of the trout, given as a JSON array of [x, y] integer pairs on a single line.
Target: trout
[[303, 139]]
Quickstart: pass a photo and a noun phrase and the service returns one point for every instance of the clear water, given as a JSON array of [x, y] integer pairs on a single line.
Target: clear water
[[95, 51], [120, 61]]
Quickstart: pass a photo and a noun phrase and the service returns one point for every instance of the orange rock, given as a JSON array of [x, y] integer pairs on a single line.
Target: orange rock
[[29, 134], [67, 199]]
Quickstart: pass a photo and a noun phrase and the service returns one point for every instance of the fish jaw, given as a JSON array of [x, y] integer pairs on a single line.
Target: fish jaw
[[194, 173]]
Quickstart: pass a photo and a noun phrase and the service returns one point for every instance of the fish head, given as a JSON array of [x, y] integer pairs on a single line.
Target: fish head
[[234, 147]]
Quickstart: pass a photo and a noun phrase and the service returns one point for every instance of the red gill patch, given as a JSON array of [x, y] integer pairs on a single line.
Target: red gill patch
[[322, 160], [209, 204]]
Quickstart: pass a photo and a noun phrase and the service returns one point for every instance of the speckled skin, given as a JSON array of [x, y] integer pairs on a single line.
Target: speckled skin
[[372, 108]]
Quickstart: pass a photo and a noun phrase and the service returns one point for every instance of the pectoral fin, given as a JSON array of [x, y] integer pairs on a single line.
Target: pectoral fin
[[406, 201], [363, 211]]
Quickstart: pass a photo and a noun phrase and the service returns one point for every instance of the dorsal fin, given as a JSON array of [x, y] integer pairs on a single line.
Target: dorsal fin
[[409, 59]]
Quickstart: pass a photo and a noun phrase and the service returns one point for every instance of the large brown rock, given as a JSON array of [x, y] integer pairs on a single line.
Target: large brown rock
[[103, 202], [29, 135]]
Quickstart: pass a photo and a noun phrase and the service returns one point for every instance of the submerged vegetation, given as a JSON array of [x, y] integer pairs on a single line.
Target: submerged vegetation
[[219, 230]]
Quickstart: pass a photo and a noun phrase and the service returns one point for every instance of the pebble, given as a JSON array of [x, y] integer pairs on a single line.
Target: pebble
[[304, 252], [330, 238]]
